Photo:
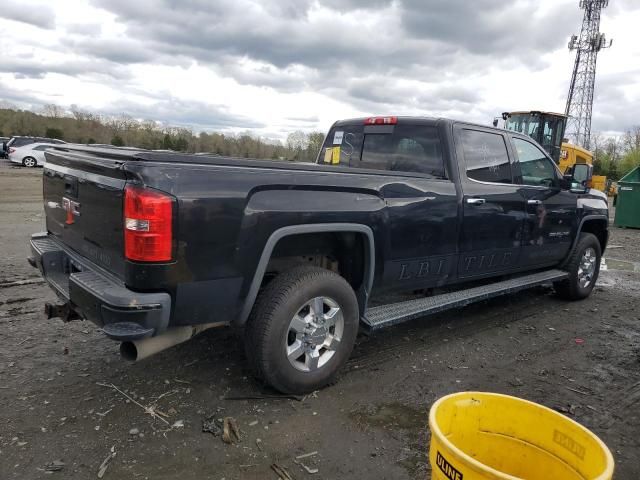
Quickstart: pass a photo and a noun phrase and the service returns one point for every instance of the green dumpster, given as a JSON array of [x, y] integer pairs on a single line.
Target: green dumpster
[[628, 203]]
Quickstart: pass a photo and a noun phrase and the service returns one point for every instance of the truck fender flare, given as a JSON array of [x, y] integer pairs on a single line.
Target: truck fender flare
[[276, 236], [584, 219]]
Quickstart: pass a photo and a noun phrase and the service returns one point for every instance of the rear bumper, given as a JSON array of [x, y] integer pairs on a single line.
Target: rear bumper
[[97, 296]]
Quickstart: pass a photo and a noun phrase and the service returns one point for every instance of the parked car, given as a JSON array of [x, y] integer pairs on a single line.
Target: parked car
[[3, 147], [21, 141], [156, 247], [30, 155]]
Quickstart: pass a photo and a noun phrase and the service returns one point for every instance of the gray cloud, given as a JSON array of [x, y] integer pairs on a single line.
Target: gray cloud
[[29, 67], [84, 29], [22, 99], [310, 119], [620, 7], [177, 112], [350, 5], [297, 49], [172, 111], [121, 51], [37, 15], [615, 110], [383, 56], [490, 28], [284, 33]]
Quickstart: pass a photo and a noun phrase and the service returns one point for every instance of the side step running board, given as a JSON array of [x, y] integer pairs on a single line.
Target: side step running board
[[393, 313]]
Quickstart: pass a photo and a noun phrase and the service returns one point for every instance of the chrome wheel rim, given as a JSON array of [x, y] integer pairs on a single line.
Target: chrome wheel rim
[[314, 334], [587, 267], [29, 162]]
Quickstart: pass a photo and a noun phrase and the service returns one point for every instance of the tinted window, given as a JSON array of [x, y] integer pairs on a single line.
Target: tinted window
[[399, 148], [486, 156], [408, 148], [536, 168], [21, 142]]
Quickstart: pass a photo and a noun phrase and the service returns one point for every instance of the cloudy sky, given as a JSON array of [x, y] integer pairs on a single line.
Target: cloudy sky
[[272, 66]]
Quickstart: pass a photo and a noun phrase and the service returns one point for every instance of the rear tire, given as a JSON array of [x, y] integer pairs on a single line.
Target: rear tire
[[583, 268], [29, 162], [302, 329]]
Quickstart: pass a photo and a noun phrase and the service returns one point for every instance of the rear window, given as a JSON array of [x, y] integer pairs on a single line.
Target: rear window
[[21, 142], [397, 148]]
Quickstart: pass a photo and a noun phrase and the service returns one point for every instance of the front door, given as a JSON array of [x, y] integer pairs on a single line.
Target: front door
[[493, 208], [551, 220]]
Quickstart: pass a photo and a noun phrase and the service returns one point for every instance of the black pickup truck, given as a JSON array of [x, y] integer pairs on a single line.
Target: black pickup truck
[[154, 247]]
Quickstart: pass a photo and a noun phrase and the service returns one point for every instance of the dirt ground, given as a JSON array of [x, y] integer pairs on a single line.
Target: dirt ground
[[59, 410]]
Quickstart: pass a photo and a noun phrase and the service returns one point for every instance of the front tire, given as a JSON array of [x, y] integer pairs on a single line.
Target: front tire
[[583, 268], [302, 329], [29, 162]]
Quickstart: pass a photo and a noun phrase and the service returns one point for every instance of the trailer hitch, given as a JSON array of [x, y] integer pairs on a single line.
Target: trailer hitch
[[62, 310]]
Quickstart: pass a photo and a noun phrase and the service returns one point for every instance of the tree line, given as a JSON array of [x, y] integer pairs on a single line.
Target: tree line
[[616, 156], [78, 126]]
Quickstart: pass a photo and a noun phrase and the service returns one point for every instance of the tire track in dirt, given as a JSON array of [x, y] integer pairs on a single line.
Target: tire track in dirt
[[469, 321]]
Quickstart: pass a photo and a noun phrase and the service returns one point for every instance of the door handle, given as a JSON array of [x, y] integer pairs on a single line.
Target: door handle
[[534, 202], [476, 201]]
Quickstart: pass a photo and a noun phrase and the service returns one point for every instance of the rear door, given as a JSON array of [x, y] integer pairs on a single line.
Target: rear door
[[421, 202], [551, 217], [38, 153], [421, 206], [83, 202], [493, 208]]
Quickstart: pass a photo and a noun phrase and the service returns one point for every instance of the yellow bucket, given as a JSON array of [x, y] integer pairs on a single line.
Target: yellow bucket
[[488, 436]]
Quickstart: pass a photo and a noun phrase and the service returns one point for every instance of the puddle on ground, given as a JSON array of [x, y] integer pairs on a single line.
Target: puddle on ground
[[392, 415], [623, 265], [398, 417]]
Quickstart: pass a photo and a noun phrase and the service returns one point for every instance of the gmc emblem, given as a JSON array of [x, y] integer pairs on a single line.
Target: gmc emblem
[[72, 208]]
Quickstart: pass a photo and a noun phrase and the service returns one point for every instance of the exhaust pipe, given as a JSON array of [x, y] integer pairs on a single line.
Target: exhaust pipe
[[139, 349]]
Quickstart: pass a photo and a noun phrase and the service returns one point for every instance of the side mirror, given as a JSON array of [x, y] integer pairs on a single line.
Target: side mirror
[[578, 177], [582, 174]]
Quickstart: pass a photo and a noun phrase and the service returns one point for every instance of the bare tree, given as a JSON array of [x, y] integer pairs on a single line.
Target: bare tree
[[297, 142], [597, 142], [631, 139], [52, 110]]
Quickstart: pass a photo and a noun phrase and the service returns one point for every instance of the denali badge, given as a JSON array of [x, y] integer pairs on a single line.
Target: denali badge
[[72, 208]]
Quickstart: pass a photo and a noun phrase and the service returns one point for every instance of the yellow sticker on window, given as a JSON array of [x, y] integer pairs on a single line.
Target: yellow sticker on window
[[335, 159], [328, 154]]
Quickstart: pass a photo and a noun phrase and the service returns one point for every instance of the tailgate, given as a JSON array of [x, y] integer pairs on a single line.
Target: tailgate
[[83, 203]]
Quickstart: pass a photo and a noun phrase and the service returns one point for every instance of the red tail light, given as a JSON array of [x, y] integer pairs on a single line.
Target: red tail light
[[381, 121], [11, 150], [148, 225]]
